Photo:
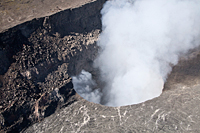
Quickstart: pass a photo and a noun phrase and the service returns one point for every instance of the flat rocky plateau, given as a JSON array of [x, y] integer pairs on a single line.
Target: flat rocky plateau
[[44, 43]]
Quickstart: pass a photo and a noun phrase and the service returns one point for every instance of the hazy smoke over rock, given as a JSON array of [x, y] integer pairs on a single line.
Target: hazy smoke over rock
[[86, 87], [140, 41]]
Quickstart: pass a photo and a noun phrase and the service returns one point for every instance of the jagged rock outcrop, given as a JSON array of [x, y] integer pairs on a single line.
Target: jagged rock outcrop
[[37, 60]]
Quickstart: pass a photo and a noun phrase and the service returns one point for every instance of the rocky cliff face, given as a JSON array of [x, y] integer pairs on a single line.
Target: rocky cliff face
[[14, 12], [37, 60]]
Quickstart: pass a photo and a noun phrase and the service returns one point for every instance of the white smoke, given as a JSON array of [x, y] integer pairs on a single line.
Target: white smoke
[[141, 40], [86, 87]]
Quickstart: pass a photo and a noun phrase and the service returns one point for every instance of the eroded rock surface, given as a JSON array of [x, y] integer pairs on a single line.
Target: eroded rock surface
[[174, 111], [38, 59]]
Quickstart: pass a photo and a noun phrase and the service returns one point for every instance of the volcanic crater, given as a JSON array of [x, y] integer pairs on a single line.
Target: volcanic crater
[[38, 58]]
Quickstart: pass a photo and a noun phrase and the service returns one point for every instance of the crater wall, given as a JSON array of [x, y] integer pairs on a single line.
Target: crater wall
[[37, 60]]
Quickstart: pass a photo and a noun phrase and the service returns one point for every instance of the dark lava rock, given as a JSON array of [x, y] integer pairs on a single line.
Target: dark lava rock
[[38, 58]]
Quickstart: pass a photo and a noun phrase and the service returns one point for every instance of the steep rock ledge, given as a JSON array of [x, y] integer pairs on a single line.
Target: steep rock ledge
[[14, 12], [37, 59]]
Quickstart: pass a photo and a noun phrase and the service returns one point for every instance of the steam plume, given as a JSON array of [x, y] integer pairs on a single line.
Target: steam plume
[[86, 87], [141, 40]]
